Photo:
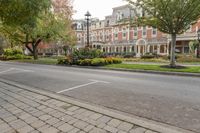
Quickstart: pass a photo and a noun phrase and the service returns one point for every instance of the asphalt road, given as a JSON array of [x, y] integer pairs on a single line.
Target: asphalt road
[[174, 100]]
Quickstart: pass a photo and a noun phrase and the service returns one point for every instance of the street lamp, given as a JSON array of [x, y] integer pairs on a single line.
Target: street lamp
[[198, 50], [87, 17]]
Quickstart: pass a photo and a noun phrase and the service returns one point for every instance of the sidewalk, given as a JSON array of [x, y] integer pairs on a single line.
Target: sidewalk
[[25, 111]]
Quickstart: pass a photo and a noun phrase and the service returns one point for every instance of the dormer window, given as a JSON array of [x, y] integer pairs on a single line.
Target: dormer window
[[120, 16]]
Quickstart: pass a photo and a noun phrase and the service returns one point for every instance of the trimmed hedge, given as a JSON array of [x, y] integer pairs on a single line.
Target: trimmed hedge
[[15, 57], [91, 62], [149, 56]]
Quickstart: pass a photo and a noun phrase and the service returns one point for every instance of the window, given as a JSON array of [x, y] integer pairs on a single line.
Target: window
[[122, 16], [124, 32], [108, 22], [119, 16], [186, 50], [154, 31], [79, 37], [135, 32], [116, 35], [144, 31]]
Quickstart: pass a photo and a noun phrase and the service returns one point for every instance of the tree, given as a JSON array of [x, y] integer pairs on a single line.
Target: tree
[[63, 7], [39, 24], [169, 16], [20, 12], [19, 15], [49, 28]]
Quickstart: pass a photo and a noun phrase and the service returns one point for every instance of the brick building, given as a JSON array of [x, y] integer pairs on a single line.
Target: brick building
[[116, 34]]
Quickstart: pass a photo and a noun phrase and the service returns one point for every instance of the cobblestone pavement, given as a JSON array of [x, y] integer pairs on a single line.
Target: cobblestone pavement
[[22, 111]]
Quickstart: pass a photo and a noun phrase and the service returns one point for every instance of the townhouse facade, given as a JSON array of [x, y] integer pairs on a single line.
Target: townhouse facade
[[118, 34]]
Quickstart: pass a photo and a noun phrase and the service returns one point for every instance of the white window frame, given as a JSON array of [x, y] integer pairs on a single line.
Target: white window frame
[[144, 27], [156, 30], [135, 32]]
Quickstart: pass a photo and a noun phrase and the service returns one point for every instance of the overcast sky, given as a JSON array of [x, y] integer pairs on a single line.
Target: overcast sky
[[98, 8]]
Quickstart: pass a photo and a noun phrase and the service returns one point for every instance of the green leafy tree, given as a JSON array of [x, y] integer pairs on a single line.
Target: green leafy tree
[[20, 12], [18, 16], [31, 22], [169, 16]]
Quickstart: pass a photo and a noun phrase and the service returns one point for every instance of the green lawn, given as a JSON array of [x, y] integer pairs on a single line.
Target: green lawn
[[188, 69], [183, 60], [46, 61]]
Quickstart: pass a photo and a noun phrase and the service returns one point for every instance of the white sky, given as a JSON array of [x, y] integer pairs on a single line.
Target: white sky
[[97, 8]]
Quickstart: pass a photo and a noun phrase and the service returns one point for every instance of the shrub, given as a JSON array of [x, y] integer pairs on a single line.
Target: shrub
[[18, 56], [17, 52], [129, 55], [89, 62], [168, 57], [8, 52], [148, 56], [27, 57], [98, 62], [109, 60], [86, 54], [117, 60], [64, 61], [187, 58], [12, 52], [85, 62]]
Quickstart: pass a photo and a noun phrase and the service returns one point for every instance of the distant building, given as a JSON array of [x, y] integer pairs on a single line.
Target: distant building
[[117, 34]]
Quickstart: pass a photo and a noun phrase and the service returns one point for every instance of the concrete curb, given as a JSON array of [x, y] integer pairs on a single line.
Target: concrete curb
[[138, 71], [149, 124], [126, 70], [156, 72]]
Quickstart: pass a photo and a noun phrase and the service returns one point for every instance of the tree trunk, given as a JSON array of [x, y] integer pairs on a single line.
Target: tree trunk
[[35, 48], [35, 53], [173, 48]]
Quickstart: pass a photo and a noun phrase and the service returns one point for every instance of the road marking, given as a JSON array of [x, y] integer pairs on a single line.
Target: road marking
[[19, 69], [100, 81], [24, 70], [10, 69], [83, 85]]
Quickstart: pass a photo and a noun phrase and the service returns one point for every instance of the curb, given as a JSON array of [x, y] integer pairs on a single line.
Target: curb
[[126, 70], [137, 71], [156, 72], [146, 123]]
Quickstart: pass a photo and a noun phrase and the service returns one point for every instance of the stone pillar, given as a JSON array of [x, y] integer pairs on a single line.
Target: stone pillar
[[158, 49], [144, 49], [165, 49], [115, 49], [148, 48], [153, 48], [135, 49], [102, 49], [138, 51]]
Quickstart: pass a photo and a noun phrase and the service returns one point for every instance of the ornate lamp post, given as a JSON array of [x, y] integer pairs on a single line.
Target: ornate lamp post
[[198, 50], [87, 17]]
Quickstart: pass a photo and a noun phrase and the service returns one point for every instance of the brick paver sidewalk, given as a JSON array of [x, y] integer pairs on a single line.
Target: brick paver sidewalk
[[22, 111]]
